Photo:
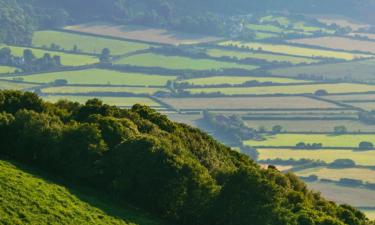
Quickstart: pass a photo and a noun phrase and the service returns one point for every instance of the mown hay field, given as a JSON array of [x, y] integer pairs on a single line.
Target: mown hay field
[[366, 175], [141, 33], [288, 89], [117, 101], [15, 85], [179, 62], [229, 103], [101, 89], [294, 50], [216, 52], [67, 59], [328, 140], [341, 43], [363, 158], [85, 43], [98, 77], [217, 80]]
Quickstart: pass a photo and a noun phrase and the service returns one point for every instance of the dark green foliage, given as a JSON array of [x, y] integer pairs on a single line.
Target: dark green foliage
[[169, 169]]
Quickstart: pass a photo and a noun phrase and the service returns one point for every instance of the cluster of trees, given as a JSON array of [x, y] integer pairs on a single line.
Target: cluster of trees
[[172, 170], [29, 62]]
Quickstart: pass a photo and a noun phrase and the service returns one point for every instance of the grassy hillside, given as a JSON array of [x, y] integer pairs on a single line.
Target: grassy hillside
[[27, 198]]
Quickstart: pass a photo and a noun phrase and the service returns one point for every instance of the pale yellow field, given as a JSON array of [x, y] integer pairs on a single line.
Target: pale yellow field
[[366, 175]]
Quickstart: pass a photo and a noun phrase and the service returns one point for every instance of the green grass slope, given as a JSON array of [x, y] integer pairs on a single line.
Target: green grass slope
[[26, 198]]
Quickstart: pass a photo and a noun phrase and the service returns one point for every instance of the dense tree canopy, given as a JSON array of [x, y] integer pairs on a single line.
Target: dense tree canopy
[[172, 170]]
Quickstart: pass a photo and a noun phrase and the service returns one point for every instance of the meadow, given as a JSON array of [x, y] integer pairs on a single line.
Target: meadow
[[259, 55], [117, 101], [264, 35], [141, 33], [15, 85], [288, 89], [265, 28], [294, 50], [366, 175], [313, 125], [99, 89], [351, 71], [98, 77], [85, 43], [179, 62], [341, 43], [217, 80], [7, 69], [293, 102], [363, 158], [27, 198], [67, 59], [328, 140]]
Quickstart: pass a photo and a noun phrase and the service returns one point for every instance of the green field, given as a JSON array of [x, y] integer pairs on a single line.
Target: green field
[[117, 101], [264, 35], [347, 140], [293, 50], [216, 80], [66, 58], [363, 158], [179, 62], [351, 71], [27, 198], [293, 125], [7, 69], [366, 175], [98, 76], [288, 89], [15, 85], [265, 28], [85, 43], [109, 89], [257, 55]]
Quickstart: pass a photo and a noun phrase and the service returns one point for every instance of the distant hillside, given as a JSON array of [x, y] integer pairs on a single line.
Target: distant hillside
[[27, 198], [140, 157]]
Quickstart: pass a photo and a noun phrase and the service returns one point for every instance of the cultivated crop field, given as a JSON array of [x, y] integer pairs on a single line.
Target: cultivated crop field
[[363, 71], [248, 103], [328, 140], [98, 77], [342, 43], [314, 125], [293, 50], [288, 89], [259, 55], [217, 80], [117, 101], [101, 89], [366, 175], [363, 158], [85, 43], [141, 33], [67, 59], [179, 62]]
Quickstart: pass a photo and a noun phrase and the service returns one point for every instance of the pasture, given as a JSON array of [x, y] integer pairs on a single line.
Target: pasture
[[328, 140], [15, 85], [217, 80], [366, 175], [363, 158], [179, 62], [141, 33], [67, 59], [351, 98], [259, 55], [264, 35], [85, 43], [7, 69], [294, 50], [117, 101], [341, 43], [101, 89], [265, 28], [230, 103], [98, 77], [288, 89], [314, 125], [363, 71]]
